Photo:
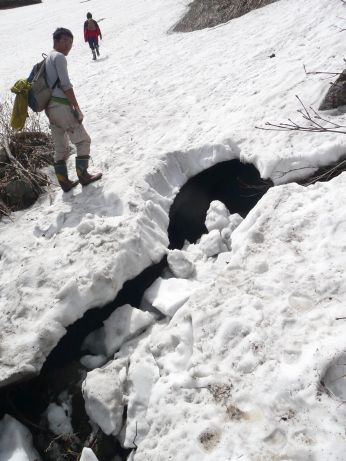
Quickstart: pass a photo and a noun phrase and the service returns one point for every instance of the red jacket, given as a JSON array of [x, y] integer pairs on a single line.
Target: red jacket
[[91, 30]]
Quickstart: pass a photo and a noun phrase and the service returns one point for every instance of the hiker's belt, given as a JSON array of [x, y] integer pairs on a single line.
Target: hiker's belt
[[60, 100]]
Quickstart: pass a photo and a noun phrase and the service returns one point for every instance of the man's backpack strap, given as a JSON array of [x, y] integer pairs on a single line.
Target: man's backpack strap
[[44, 56], [55, 84]]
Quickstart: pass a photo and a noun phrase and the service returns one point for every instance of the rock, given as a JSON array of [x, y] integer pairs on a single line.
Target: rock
[[20, 193], [336, 94]]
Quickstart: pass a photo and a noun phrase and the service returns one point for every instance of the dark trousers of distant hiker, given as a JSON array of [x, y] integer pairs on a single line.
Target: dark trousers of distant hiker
[[94, 46], [93, 43]]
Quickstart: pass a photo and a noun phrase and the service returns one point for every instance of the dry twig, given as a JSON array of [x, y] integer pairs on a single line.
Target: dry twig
[[315, 123], [319, 72], [27, 152]]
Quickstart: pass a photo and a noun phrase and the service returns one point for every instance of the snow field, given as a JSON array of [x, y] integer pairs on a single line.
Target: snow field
[[153, 101], [249, 363]]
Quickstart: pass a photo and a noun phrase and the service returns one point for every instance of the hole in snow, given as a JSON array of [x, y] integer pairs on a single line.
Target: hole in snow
[[63, 373], [238, 185]]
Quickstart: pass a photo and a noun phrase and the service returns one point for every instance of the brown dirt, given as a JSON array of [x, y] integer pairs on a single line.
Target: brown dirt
[[4, 4], [210, 13]]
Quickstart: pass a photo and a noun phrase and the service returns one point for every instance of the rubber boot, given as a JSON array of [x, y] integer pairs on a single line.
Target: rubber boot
[[60, 169], [97, 50], [85, 178], [94, 54]]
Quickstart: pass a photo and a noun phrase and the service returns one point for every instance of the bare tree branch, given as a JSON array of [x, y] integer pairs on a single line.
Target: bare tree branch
[[320, 72], [311, 116], [21, 171]]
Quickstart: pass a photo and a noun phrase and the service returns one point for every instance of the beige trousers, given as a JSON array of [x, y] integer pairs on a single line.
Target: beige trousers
[[65, 126]]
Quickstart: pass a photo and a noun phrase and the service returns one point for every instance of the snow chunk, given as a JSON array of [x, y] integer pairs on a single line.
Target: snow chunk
[[103, 392], [85, 227], [95, 343], [234, 221], [168, 295], [123, 324], [142, 375], [212, 244], [180, 264], [88, 455], [16, 441], [59, 418], [217, 216], [93, 361]]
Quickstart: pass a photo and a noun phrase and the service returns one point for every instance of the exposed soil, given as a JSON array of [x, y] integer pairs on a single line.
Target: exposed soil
[[210, 13], [14, 3]]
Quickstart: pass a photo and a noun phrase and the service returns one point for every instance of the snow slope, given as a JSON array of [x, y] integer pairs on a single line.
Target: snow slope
[[236, 373], [253, 365]]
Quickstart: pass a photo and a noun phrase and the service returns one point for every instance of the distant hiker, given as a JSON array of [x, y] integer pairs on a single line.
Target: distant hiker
[[65, 116], [91, 34]]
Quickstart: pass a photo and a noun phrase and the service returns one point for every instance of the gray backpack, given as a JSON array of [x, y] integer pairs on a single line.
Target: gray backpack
[[39, 93]]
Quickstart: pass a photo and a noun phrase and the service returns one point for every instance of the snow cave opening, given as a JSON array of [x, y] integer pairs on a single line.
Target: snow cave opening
[[239, 186]]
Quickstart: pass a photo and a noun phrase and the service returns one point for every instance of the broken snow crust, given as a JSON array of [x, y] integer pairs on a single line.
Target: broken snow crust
[[16, 441], [159, 108], [253, 365], [74, 260]]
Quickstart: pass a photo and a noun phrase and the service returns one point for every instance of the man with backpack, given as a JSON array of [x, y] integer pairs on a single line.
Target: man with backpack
[[65, 116], [91, 34]]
